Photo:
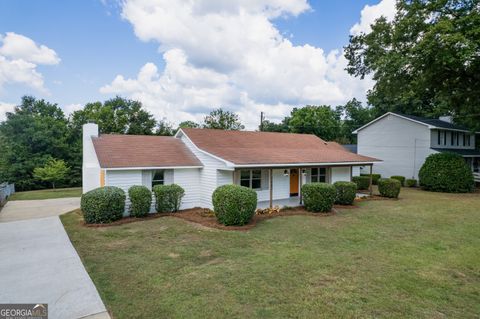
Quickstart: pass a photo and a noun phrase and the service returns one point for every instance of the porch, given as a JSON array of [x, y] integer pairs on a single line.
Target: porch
[[293, 201]]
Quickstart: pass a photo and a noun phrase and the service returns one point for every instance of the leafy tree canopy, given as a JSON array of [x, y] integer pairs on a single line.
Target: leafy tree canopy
[[223, 120], [425, 62], [188, 124], [54, 171], [322, 121], [164, 128]]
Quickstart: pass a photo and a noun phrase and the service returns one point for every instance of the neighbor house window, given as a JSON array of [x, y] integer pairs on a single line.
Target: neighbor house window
[[158, 178], [444, 137], [251, 178], [464, 139], [439, 135], [319, 175], [468, 140]]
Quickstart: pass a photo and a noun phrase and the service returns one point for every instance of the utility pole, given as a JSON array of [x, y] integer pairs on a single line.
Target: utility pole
[[261, 121]]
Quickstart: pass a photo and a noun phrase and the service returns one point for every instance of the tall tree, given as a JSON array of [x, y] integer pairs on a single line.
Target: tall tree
[[32, 134], [354, 116], [322, 121], [425, 62], [269, 126], [164, 128], [117, 115], [223, 120], [188, 124]]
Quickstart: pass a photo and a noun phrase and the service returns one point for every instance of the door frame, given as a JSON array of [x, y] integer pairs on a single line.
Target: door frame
[[293, 194]]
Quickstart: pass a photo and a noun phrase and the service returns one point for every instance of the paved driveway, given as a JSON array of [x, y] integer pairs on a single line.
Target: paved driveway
[[29, 209], [38, 264]]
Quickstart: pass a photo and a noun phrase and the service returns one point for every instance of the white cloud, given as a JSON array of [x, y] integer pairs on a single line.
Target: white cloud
[[4, 108], [229, 54], [70, 108], [369, 14], [19, 57]]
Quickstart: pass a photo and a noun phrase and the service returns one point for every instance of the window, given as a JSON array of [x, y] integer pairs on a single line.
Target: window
[[319, 175], [468, 140], [457, 138], [439, 137], [158, 178], [452, 138], [251, 178], [444, 137], [464, 139]]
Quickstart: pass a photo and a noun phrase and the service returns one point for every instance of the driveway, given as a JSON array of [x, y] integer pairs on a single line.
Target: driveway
[[38, 263], [29, 209]]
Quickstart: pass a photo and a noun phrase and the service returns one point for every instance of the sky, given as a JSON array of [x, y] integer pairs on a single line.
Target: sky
[[183, 58]]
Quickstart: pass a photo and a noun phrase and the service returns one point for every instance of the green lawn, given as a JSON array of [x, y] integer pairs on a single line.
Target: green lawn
[[47, 194], [418, 257]]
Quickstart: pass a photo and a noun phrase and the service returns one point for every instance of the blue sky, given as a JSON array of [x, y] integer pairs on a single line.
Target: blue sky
[[95, 44]]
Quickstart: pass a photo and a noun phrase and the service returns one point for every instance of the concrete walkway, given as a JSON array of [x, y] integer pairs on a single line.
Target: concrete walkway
[[29, 209], [38, 264]]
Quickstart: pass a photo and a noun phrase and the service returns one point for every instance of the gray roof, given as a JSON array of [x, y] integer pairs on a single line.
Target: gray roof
[[434, 122], [463, 152]]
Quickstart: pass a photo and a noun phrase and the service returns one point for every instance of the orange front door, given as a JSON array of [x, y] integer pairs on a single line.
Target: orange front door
[[293, 182]]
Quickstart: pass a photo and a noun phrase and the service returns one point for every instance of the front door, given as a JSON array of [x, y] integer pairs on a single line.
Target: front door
[[294, 182]]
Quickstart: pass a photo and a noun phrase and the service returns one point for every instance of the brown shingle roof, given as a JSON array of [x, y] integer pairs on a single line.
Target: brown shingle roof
[[242, 147], [118, 151]]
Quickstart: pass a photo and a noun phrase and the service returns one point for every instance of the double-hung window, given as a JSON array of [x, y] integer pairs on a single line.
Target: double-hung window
[[158, 177], [251, 178], [319, 175]]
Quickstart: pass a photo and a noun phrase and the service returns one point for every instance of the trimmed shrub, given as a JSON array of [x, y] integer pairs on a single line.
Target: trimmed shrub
[[375, 178], [363, 182], [141, 200], [234, 204], [446, 172], [389, 187], [103, 205], [168, 197], [411, 182], [346, 192], [399, 178], [319, 197]]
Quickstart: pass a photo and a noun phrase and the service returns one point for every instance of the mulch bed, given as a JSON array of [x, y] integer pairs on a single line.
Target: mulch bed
[[206, 218]]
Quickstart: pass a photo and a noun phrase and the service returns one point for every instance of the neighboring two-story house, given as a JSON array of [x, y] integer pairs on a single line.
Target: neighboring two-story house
[[403, 142]]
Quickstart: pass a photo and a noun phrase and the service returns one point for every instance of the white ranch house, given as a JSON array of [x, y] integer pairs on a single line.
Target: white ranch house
[[275, 165], [403, 142]]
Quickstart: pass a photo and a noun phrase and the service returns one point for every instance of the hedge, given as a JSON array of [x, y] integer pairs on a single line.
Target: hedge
[[446, 172], [234, 204], [346, 192], [140, 199], [375, 178], [399, 178], [411, 182], [103, 205], [168, 197], [389, 187], [319, 197], [363, 182]]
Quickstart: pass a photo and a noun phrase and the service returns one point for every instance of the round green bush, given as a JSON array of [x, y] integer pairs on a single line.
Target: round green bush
[[446, 172], [319, 197], [399, 178], [389, 187], [234, 204], [411, 182], [346, 192], [363, 182], [103, 205], [168, 197], [140, 199], [375, 178]]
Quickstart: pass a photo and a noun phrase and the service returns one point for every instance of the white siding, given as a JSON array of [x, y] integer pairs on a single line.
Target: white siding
[[340, 174], [189, 180], [401, 144], [355, 170], [208, 174], [224, 177], [124, 180]]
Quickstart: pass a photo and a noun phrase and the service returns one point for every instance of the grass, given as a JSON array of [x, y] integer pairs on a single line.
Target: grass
[[47, 194], [417, 257]]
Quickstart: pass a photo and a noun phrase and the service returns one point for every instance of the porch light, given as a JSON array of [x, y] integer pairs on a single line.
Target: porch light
[[285, 173], [304, 172]]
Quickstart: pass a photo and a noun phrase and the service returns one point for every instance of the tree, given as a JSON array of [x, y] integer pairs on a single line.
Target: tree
[[425, 61], [54, 171], [269, 126], [164, 128], [188, 124], [319, 120], [117, 115], [223, 120], [33, 133], [354, 117]]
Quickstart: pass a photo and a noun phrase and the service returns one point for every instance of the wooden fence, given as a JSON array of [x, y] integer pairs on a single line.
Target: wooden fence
[[5, 191]]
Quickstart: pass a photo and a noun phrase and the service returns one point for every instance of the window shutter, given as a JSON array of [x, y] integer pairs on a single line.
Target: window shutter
[[265, 179], [236, 177]]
